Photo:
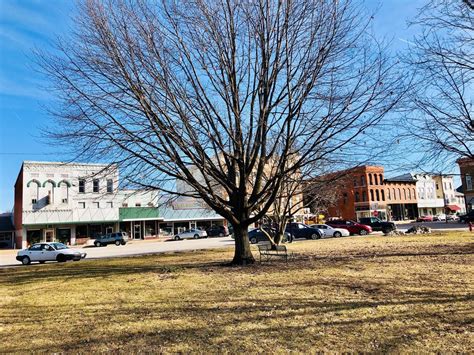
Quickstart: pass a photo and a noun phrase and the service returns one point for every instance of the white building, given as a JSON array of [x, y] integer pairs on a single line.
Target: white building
[[72, 202], [453, 200], [429, 204]]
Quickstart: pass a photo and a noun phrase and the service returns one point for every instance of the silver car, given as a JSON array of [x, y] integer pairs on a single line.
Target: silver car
[[43, 252], [191, 234]]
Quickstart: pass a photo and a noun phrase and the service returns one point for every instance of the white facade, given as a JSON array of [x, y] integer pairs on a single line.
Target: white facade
[[428, 202]]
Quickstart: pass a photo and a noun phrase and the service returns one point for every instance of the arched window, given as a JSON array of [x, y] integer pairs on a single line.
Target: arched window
[[372, 195], [48, 192], [383, 195], [405, 193], [394, 194], [362, 180], [380, 179], [63, 187], [357, 197], [377, 195], [364, 196], [399, 194], [370, 179], [414, 194], [389, 194], [33, 191], [375, 179], [409, 194]]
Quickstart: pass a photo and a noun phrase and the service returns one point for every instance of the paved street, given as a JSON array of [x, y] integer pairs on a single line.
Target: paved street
[[439, 225], [7, 257]]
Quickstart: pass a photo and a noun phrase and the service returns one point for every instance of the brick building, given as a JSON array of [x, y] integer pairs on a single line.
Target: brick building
[[360, 193], [466, 166]]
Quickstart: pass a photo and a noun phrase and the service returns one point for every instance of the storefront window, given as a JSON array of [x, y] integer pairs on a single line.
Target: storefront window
[[166, 228], [150, 228], [64, 236]]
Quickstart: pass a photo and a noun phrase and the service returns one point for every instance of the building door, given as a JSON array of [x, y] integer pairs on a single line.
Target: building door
[[137, 230], [49, 235]]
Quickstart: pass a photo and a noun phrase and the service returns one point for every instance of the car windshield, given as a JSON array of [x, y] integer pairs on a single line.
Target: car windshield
[[59, 246]]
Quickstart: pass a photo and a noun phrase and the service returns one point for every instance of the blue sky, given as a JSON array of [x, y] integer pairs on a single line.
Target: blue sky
[[29, 24]]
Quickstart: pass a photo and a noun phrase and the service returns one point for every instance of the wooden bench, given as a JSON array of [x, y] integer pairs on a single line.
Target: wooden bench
[[266, 251]]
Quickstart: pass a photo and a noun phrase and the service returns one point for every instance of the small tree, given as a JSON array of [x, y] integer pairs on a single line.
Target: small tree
[[208, 93]]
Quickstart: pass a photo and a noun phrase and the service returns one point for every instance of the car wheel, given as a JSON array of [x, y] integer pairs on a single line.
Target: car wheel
[[61, 258], [315, 236], [337, 234], [221, 234], [123, 242], [196, 236], [42, 262], [97, 244], [117, 242], [290, 239], [253, 240], [26, 260], [363, 232], [176, 237]]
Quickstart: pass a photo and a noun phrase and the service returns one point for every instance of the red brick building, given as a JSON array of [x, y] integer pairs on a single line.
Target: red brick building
[[466, 166]]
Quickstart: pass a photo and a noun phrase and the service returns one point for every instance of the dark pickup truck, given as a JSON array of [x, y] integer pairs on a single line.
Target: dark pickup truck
[[378, 225]]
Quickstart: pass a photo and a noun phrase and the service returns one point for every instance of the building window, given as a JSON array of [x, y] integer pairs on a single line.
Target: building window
[[82, 205], [95, 187], [370, 179], [377, 195], [355, 182], [372, 195], [380, 179], [362, 180], [110, 204], [364, 196], [110, 185], [34, 201], [409, 194], [124, 204], [82, 186], [375, 179], [383, 195], [96, 204], [389, 194], [405, 194], [138, 205], [468, 182], [64, 200], [357, 197]]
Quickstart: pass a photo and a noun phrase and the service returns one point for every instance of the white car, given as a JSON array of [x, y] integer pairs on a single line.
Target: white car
[[191, 234], [329, 231], [43, 252]]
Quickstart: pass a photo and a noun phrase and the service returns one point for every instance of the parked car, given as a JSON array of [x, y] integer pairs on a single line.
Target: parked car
[[378, 225], [301, 230], [427, 218], [191, 234], [329, 231], [351, 226], [118, 238], [43, 252], [256, 235], [468, 217], [439, 217], [217, 231], [452, 217]]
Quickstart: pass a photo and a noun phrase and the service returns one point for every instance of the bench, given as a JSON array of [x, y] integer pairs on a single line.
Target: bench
[[266, 251]]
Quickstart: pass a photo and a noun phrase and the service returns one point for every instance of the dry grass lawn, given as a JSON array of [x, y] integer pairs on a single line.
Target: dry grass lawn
[[371, 294]]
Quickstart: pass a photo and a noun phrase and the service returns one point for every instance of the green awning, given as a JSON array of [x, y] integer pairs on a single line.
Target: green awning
[[138, 213]]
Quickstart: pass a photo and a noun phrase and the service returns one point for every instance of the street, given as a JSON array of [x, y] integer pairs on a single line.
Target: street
[[7, 257], [134, 247]]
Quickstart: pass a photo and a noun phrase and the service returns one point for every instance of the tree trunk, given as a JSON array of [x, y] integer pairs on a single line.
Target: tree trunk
[[243, 254]]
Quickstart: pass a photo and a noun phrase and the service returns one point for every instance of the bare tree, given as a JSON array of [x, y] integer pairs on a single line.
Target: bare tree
[[442, 59], [210, 92]]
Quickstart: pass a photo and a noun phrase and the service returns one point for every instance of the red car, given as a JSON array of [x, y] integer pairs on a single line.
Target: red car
[[351, 226], [425, 219]]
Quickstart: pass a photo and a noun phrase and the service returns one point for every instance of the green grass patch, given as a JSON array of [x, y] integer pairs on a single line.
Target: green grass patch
[[371, 294]]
